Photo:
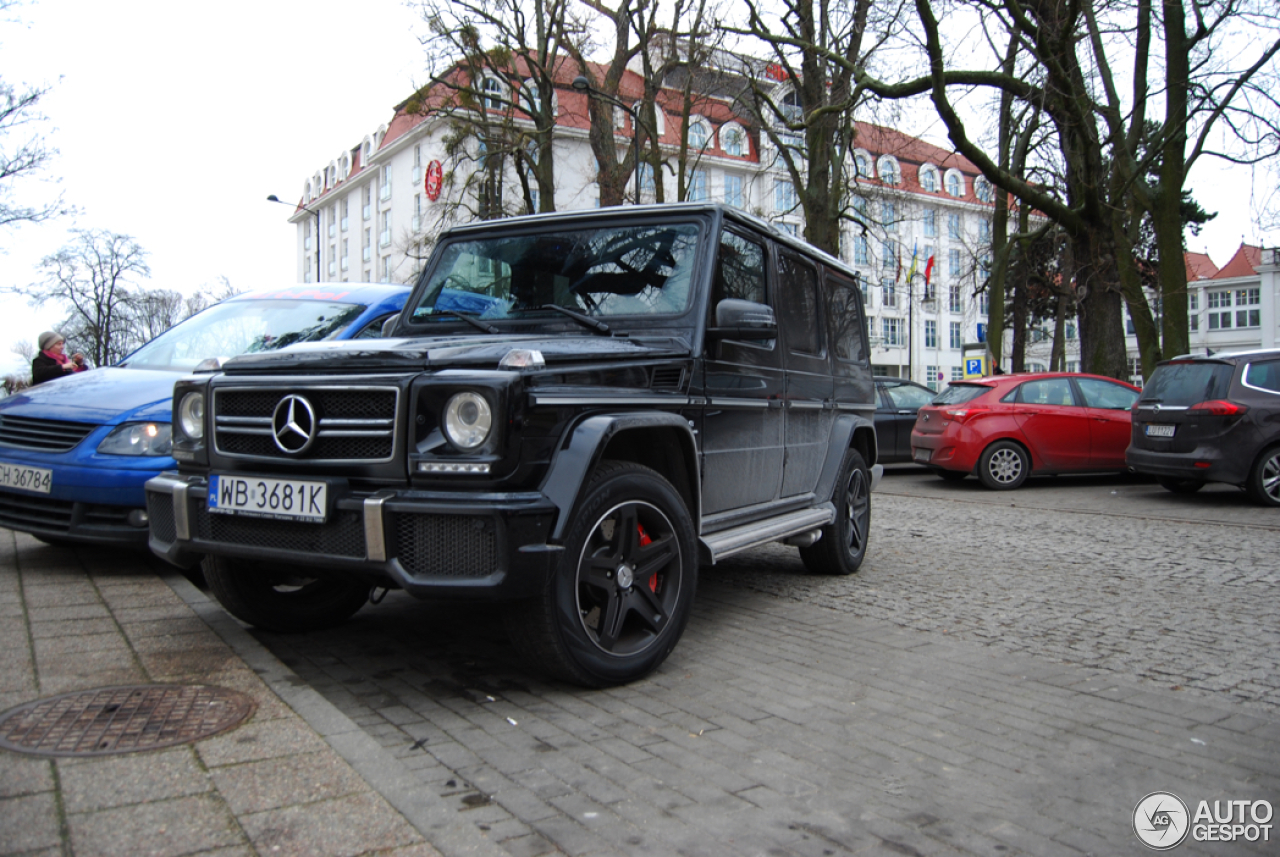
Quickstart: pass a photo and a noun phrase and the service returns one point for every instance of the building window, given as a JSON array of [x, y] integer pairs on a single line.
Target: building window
[[1073, 365], [417, 165], [1193, 301], [367, 201], [698, 186], [953, 262], [306, 236], [344, 207], [1219, 301], [888, 292], [733, 140], [386, 269], [863, 164], [784, 196], [930, 223], [1251, 314], [647, 184], [493, 93], [982, 188], [1071, 330], [957, 373], [384, 190], [953, 299], [1193, 322], [699, 134], [333, 221], [368, 243], [931, 377], [954, 188], [984, 304], [860, 250], [892, 328], [928, 180], [930, 333], [888, 217], [984, 230], [954, 330], [790, 228], [333, 261], [417, 213], [792, 112], [889, 173], [344, 254], [733, 191], [888, 254], [384, 229], [953, 227]]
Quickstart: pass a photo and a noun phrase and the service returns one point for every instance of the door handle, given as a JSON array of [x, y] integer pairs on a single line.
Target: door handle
[[905, 412]]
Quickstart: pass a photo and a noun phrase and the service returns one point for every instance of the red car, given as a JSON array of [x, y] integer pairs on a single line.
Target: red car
[[1007, 427]]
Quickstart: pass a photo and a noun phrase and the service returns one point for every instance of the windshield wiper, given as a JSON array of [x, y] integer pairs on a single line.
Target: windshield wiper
[[474, 322], [584, 320]]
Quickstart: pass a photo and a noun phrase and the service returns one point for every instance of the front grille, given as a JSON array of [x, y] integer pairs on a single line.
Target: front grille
[[446, 545], [353, 424], [341, 535], [25, 511], [160, 516], [42, 435]]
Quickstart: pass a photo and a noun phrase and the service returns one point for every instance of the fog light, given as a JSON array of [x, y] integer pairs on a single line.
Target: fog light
[[137, 518]]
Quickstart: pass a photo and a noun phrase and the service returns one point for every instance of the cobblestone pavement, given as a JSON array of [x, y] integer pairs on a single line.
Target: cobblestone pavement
[[1007, 674]]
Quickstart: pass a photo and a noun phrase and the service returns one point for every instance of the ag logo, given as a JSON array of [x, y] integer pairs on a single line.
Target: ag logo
[[1161, 821]]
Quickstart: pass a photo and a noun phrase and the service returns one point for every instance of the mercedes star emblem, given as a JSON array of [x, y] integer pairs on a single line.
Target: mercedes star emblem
[[293, 425]]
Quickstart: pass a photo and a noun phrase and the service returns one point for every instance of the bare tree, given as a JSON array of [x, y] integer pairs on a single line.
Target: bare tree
[[93, 277]]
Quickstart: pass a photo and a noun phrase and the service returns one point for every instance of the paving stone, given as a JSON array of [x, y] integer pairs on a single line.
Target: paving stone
[[158, 829], [92, 784], [344, 826], [29, 822]]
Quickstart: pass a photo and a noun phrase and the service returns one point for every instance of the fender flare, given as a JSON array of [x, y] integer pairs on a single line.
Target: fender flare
[[583, 448]]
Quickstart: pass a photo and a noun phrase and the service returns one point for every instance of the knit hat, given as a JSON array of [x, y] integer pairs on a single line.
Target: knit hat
[[49, 338]]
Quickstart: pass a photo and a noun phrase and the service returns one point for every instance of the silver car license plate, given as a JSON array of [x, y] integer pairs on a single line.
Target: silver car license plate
[[1160, 431], [921, 454], [258, 496], [26, 478]]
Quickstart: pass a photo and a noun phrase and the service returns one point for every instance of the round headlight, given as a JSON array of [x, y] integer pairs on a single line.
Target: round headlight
[[467, 420], [191, 415]]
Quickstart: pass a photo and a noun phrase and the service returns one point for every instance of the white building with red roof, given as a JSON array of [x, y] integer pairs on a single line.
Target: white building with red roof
[[379, 204]]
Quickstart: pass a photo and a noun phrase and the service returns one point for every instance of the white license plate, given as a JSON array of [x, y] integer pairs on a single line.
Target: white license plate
[[1160, 431], [920, 454], [25, 478], [258, 496]]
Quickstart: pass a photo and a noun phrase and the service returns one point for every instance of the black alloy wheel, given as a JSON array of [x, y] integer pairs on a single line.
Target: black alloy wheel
[[843, 544], [1264, 479]]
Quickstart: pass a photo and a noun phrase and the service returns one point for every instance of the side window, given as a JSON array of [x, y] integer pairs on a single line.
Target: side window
[[798, 312], [906, 396], [1047, 391], [1264, 376], [845, 304], [1102, 394], [739, 270]]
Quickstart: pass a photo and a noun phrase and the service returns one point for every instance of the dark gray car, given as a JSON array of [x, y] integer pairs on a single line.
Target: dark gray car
[[897, 402], [1211, 419]]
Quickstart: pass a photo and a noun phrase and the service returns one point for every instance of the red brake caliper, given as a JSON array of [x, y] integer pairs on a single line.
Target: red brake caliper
[[645, 540]]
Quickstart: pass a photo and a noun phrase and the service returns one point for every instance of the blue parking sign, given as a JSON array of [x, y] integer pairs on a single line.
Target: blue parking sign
[[973, 366]]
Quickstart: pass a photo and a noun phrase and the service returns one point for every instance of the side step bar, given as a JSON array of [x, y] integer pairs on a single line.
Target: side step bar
[[719, 545]]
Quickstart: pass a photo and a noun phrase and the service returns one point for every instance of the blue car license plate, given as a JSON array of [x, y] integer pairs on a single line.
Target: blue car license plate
[[261, 497]]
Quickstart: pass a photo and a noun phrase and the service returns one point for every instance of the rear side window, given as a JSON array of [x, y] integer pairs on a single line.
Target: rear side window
[[1047, 391], [1186, 384], [907, 396], [1104, 394], [958, 394], [798, 306], [1263, 376]]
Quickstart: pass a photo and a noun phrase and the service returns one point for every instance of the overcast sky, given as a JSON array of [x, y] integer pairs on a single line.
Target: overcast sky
[[174, 122]]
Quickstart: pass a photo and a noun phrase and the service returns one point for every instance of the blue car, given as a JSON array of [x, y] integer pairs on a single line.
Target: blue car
[[75, 451]]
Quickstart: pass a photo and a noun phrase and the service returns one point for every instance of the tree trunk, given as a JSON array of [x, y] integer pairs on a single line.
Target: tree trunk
[[1100, 306]]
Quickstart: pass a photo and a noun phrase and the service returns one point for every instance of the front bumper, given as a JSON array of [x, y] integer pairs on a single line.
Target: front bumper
[[1203, 464], [73, 520], [464, 545]]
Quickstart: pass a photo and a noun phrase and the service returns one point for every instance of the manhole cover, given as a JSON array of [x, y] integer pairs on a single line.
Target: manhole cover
[[113, 720]]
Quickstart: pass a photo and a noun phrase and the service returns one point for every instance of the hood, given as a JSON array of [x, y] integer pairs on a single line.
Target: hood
[[103, 396], [419, 353]]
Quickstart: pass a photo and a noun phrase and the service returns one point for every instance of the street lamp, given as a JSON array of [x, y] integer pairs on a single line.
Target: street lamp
[[316, 215], [581, 84]]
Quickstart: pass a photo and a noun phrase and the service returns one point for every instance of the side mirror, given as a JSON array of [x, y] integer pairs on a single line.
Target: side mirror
[[739, 319], [389, 325]]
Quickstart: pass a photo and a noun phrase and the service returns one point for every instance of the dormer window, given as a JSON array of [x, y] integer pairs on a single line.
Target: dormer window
[[888, 169], [699, 133], [983, 189], [955, 184], [863, 165], [493, 91], [733, 140], [928, 179]]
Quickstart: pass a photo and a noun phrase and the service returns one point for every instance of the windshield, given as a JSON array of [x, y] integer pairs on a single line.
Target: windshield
[[614, 271], [242, 327], [1187, 384]]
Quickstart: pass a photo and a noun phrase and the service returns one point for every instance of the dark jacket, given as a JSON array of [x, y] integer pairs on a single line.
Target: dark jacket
[[45, 368]]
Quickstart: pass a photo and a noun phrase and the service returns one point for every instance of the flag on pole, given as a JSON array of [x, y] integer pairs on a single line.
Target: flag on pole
[[928, 269], [915, 249]]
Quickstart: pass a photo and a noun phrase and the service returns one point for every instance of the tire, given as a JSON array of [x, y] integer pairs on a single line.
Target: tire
[[1264, 479], [1004, 465], [282, 598], [843, 545], [1180, 486], [951, 475], [621, 595]]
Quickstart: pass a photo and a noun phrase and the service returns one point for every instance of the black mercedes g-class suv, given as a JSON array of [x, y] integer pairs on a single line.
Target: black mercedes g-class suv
[[572, 412]]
